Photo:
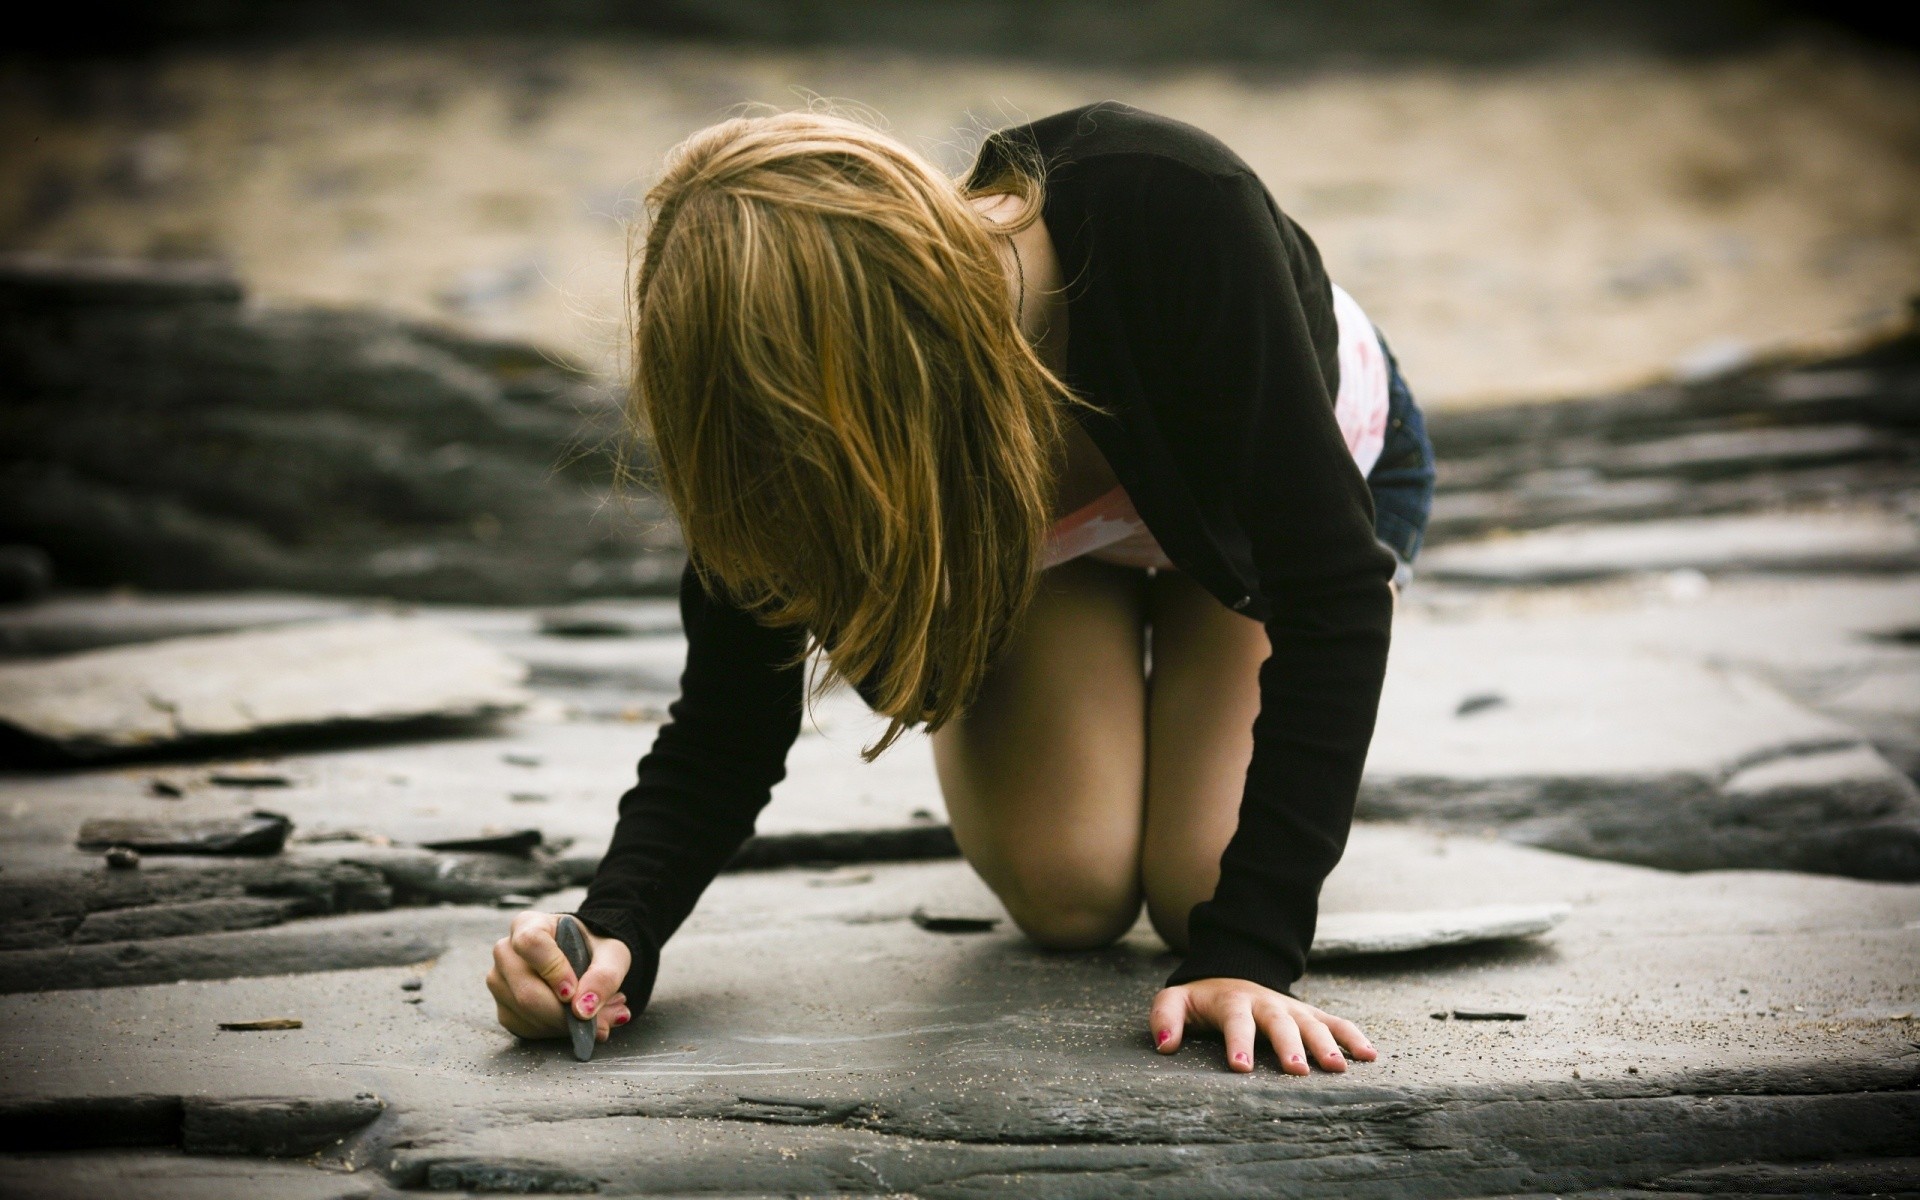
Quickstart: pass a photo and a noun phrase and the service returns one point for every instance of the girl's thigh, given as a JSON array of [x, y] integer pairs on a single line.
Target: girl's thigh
[[1044, 775], [1205, 693]]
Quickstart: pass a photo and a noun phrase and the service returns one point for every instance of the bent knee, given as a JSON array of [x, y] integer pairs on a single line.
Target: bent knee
[[1063, 908]]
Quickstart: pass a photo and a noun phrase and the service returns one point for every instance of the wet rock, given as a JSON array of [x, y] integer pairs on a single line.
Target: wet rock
[[311, 886], [1347, 935], [166, 435], [521, 843], [170, 1175], [83, 621], [951, 923], [1755, 439], [180, 920], [332, 944], [506, 1175], [356, 673], [572, 940], [634, 619], [273, 1126], [1785, 542], [474, 878], [1627, 735], [259, 833]]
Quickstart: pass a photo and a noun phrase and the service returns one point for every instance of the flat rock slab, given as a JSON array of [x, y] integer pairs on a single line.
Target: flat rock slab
[[814, 1039], [1351, 934], [169, 1175], [368, 670], [1781, 542], [65, 624], [1687, 727]]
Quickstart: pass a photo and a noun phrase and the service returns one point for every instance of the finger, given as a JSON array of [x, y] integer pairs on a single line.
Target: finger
[[1348, 1034], [1237, 1028], [1320, 1044], [1168, 1020], [607, 1018], [532, 940], [603, 976], [513, 1023], [524, 991], [1285, 1036]]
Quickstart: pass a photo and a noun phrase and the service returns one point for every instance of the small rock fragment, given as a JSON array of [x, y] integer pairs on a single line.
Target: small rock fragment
[[249, 779], [522, 760], [165, 788], [258, 833], [266, 1023], [122, 858], [410, 985], [953, 924], [1480, 1014], [521, 842], [573, 943], [1439, 1016], [514, 900], [1479, 702]]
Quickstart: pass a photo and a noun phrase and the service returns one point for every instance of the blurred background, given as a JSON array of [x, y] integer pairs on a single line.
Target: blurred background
[[322, 294]]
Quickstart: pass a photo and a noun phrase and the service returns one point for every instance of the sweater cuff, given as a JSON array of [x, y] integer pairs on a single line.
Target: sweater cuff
[[1220, 952], [619, 923]]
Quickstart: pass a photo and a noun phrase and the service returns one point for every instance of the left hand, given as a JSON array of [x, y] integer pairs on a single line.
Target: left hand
[[1238, 1008]]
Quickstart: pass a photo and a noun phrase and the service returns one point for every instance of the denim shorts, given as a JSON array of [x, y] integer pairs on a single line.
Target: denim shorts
[[1402, 480]]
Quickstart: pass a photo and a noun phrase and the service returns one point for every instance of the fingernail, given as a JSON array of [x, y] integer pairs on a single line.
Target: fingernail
[[1242, 1059], [566, 991], [623, 1018], [588, 1003], [1160, 1039], [1295, 1058]]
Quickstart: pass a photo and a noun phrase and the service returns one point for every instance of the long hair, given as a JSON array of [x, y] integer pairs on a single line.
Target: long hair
[[844, 415]]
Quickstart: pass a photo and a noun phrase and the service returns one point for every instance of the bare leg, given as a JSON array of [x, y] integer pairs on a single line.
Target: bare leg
[[1205, 694], [1043, 777]]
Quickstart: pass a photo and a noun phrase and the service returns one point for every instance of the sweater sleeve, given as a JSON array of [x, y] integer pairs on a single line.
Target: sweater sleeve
[[1237, 305], [699, 789]]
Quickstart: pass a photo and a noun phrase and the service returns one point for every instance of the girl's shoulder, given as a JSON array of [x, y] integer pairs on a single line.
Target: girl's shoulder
[[1113, 135]]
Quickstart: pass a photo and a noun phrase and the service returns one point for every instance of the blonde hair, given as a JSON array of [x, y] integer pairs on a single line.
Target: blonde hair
[[843, 413]]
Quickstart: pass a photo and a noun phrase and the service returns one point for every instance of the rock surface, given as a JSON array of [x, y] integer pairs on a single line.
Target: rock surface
[[1349, 934], [162, 433], [813, 1039], [1800, 542], [1678, 723], [370, 670]]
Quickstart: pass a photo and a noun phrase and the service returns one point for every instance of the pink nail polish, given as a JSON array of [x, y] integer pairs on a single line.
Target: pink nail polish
[[1241, 1059], [1295, 1058], [588, 1003], [1160, 1039], [566, 991], [623, 1018]]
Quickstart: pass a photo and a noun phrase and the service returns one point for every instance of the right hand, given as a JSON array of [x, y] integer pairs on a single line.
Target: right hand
[[533, 985]]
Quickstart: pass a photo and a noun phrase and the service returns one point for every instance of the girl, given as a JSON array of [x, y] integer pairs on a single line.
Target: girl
[[964, 445]]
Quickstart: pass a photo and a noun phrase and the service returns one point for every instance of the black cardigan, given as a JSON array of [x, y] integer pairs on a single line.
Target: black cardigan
[[1200, 321]]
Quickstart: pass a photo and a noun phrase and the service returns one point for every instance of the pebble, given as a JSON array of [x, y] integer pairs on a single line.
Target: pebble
[[122, 858], [265, 1023]]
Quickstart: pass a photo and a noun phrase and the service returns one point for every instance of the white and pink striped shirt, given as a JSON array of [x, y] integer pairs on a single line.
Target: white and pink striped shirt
[[1110, 530]]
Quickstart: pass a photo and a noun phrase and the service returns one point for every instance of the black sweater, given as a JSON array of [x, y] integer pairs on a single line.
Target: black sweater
[[1200, 321]]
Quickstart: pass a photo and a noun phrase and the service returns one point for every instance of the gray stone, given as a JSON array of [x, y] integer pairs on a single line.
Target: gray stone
[[273, 1126], [334, 944], [154, 1175], [82, 621], [1346, 935], [473, 878], [366, 671], [573, 943], [1648, 723], [174, 438], [179, 920], [812, 1040], [1780, 542], [259, 833]]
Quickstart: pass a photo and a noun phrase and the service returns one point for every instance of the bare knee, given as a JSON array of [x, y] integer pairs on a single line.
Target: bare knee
[[1064, 906], [1172, 889]]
